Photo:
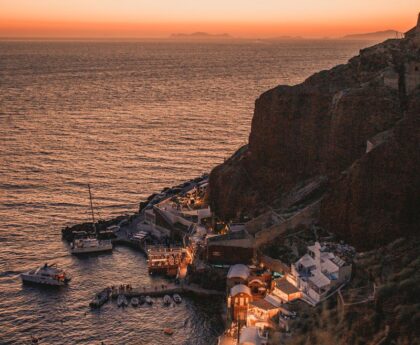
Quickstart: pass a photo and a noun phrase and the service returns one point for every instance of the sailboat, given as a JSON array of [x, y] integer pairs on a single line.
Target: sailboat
[[90, 245]]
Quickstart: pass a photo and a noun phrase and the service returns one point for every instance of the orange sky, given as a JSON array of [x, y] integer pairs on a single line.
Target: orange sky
[[160, 18]]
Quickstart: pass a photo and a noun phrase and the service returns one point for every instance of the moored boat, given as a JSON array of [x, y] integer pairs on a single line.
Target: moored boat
[[167, 300], [149, 300], [135, 302], [90, 245], [142, 300], [46, 275], [177, 298], [100, 298], [122, 301], [86, 245]]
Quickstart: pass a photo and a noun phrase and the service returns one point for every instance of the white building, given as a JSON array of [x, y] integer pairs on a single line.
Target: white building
[[319, 272]]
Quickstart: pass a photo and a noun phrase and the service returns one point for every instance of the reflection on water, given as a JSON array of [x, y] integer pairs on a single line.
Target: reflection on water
[[130, 118]]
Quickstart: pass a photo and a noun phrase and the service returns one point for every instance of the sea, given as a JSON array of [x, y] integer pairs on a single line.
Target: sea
[[130, 118]]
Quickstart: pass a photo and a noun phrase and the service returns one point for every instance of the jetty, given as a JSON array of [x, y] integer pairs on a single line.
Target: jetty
[[159, 290]]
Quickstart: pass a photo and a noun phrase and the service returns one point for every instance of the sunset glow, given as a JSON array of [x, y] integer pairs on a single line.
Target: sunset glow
[[160, 18]]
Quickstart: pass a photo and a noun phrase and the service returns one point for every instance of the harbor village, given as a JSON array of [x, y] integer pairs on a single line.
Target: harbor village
[[270, 270]]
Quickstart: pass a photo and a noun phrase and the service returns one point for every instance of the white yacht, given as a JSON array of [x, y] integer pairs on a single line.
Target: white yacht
[[90, 245], [46, 275]]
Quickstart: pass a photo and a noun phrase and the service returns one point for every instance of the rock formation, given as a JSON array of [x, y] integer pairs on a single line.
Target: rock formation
[[323, 127]]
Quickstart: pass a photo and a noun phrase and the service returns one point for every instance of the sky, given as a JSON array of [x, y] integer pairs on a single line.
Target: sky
[[239, 18]]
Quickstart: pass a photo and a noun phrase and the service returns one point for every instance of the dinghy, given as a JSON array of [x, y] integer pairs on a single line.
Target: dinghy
[[135, 302], [122, 301], [177, 298], [167, 300]]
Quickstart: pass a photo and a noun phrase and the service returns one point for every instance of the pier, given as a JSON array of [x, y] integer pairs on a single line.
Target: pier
[[160, 290]]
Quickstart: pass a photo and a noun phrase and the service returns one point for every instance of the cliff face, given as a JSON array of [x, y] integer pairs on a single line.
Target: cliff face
[[321, 127], [377, 198]]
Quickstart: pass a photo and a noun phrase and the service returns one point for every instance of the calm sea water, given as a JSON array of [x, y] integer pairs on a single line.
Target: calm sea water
[[130, 118]]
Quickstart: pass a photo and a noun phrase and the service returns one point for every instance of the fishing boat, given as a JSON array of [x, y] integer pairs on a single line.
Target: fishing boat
[[135, 302], [149, 300], [46, 275], [90, 245], [177, 298], [122, 301], [167, 300]]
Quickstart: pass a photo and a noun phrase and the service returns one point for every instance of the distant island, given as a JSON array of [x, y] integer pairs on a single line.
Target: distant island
[[379, 35], [283, 38], [200, 35]]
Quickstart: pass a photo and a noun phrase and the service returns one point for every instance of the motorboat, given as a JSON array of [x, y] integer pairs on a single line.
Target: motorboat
[[177, 298], [46, 275], [167, 300], [135, 302], [122, 301], [90, 245], [149, 300]]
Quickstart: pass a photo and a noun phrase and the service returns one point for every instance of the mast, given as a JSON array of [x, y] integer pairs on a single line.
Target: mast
[[91, 208]]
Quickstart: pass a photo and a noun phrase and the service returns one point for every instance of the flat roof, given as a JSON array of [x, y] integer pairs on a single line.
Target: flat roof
[[263, 304], [319, 279], [306, 261], [284, 285]]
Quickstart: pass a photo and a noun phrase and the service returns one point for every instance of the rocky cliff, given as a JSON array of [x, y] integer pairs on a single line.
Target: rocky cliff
[[325, 126]]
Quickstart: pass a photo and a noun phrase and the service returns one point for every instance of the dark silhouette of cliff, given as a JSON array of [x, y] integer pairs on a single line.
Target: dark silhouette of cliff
[[358, 125]]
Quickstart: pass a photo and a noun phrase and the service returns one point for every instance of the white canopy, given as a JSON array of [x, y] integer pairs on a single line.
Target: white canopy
[[238, 271], [240, 288]]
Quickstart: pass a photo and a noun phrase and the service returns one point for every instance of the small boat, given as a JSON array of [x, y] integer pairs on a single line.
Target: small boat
[[46, 275], [167, 300], [142, 300], [122, 301], [100, 298], [177, 298], [168, 331], [135, 302], [149, 300]]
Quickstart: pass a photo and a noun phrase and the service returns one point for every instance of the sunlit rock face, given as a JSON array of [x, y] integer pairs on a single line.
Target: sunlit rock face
[[321, 127]]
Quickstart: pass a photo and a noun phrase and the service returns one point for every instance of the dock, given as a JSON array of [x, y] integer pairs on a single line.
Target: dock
[[162, 290]]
